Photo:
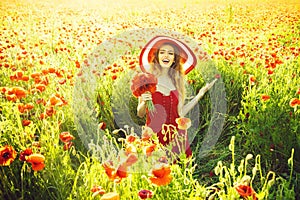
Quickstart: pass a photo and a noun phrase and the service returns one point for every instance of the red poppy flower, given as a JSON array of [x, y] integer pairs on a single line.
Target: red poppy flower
[[51, 70], [161, 174], [39, 87], [50, 111], [77, 64], [25, 108], [143, 82], [45, 71], [35, 75], [97, 190], [66, 137], [29, 106], [294, 102], [37, 161], [131, 159], [109, 169], [183, 123], [3, 90], [42, 116], [26, 122], [26, 152], [11, 97], [265, 97], [113, 173], [130, 138], [102, 125], [15, 93], [122, 171], [19, 76], [145, 194], [114, 77], [252, 79], [246, 191], [55, 101], [25, 78], [149, 149], [19, 92], [7, 155], [270, 72]]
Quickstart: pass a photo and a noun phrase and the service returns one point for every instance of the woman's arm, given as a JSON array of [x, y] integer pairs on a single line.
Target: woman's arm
[[186, 108], [141, 108]]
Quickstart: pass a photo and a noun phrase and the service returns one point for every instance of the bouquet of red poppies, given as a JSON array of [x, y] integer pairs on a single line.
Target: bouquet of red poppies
[[144, 82]]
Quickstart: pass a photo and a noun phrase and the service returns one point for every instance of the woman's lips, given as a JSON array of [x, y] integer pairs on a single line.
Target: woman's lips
[[166, 61]]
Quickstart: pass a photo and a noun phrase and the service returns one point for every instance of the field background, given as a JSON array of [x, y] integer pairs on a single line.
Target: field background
[[46, 46]]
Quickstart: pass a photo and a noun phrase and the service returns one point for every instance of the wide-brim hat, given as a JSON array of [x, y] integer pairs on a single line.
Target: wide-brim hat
[[187, 57]]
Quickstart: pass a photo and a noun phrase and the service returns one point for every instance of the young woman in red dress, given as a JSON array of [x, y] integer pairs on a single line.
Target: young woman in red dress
[[169, 60]]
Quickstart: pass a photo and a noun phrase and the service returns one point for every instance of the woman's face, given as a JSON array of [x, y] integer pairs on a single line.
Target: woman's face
[[166, 56]]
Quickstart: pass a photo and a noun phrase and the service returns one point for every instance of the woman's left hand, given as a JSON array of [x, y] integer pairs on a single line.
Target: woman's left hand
[[207, 87], [186, 108]]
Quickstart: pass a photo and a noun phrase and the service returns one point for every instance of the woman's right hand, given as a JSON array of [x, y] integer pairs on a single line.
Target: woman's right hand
[[146, 96], [141, 108]]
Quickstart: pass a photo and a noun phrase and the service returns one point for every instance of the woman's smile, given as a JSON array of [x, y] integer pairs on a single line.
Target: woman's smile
[[166, 61]]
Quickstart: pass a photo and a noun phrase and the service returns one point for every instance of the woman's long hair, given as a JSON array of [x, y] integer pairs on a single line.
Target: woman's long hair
[[175, 72]]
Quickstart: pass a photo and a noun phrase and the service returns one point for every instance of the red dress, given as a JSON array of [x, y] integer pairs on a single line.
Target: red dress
[[166, 112]]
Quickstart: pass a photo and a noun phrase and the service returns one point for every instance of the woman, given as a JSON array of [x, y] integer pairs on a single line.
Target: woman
[[168, 59]]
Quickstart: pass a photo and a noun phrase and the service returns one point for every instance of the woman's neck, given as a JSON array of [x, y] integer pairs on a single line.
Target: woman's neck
[[166, 81], [164, 71]]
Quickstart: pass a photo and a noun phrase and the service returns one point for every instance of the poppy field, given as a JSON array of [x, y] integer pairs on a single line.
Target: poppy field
[[68, 124]]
